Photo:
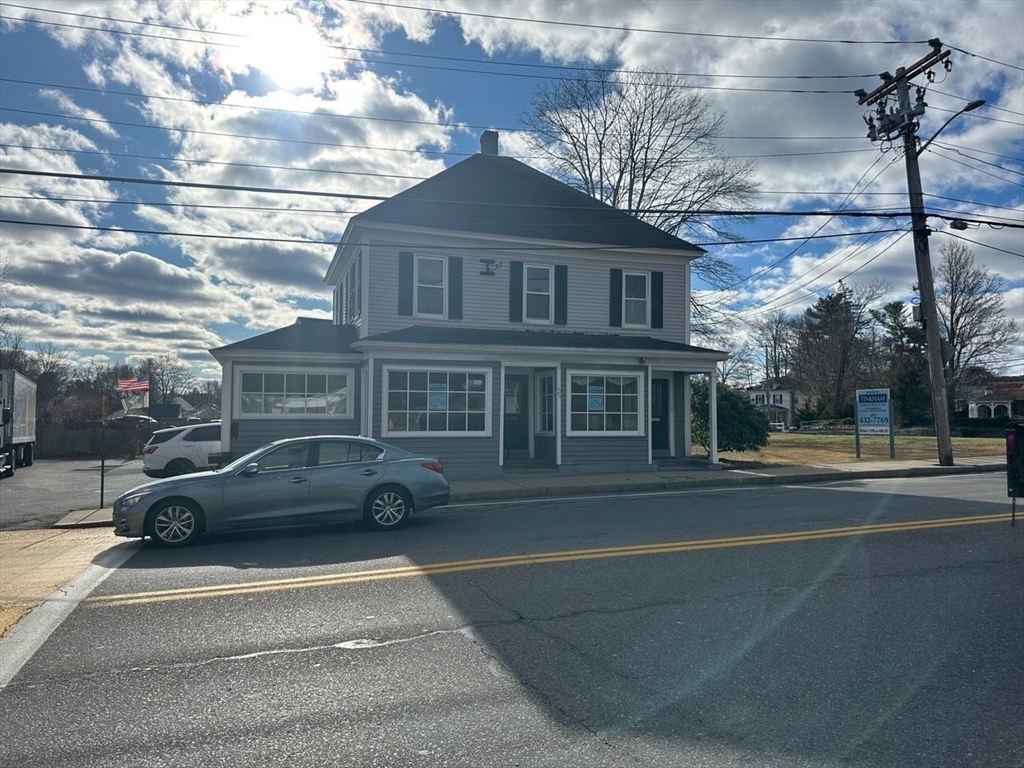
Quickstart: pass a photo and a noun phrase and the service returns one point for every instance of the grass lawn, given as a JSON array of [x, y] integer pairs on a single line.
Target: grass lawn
[[795, 448]]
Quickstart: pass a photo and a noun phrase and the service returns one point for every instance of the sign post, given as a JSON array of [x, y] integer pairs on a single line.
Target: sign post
[[874, 417]]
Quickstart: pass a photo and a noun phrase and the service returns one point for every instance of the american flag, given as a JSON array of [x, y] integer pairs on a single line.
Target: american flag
[[133, 385]]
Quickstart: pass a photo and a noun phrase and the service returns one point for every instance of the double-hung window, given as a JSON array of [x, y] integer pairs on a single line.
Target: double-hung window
[[605, 404], [353, 290], [776, 398], [759, 399], [430, 286], [537, 293], [636, 300]]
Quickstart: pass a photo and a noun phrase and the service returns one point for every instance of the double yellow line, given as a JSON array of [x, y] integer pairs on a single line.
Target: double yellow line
[[455, 566]]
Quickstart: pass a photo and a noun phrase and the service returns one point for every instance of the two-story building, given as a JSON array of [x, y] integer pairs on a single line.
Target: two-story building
[[491, 316]]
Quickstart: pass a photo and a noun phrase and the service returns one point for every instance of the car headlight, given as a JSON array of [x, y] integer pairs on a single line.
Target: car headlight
[[131, 501]]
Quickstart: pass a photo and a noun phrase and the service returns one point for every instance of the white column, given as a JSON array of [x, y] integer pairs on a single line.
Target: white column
[[558, 415], [713, 416], [368, 403], [687, 417], [650, 411], [501, 419]]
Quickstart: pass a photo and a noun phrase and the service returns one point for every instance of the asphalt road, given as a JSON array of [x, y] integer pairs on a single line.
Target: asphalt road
[[40, 495], [744, 627]]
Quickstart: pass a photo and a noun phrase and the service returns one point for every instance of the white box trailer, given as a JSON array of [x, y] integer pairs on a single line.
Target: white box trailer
[[17, 421]]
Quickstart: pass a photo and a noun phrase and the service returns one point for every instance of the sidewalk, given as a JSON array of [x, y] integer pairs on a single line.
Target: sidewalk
[[35, 563]]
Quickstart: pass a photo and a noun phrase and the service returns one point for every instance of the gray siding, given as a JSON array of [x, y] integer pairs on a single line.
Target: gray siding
[[463, 457], [544, 448], [486, 299]]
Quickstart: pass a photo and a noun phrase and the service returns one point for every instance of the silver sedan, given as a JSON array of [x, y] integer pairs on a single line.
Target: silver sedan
[[298, 480]]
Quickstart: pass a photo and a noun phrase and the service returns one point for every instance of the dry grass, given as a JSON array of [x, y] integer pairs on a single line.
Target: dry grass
[[796, 448]]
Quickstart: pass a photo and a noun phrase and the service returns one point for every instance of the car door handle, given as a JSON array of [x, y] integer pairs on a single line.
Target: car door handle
[[368, 472], [297, 480]]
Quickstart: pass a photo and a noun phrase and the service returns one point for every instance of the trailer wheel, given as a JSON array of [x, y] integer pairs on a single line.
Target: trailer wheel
[[26, 455]]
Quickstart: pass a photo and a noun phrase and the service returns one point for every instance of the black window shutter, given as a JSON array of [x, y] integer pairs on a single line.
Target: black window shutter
[[515, 292], [561, 294], [405, 270], [615, 300], [657, 299], [454, 287]]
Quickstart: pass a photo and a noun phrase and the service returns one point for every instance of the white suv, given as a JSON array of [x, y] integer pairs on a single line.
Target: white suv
[[180, 450]]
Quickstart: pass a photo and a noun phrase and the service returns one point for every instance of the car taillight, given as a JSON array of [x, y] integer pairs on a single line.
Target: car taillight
[[437, 466], [149, 449]]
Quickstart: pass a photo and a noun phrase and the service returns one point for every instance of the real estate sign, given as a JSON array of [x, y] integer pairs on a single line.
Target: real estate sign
[[873, 412], [874, 417]]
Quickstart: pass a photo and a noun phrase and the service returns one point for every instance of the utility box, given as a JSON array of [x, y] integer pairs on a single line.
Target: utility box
[[1015, 461]]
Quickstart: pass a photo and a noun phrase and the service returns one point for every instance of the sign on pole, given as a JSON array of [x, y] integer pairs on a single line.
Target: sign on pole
[[874, 417]]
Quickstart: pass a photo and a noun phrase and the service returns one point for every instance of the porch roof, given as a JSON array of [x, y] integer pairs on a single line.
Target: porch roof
[[483, 337]]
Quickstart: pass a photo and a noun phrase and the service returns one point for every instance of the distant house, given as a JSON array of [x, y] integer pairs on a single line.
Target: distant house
[[1004, 396], [779, 402], [489, 315]]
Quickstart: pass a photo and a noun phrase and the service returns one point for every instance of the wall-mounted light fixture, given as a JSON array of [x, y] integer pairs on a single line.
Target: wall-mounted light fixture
[[490, 267]]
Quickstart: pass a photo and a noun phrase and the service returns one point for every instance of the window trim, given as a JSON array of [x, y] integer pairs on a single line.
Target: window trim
[[236, 397], [647, 298], [641, 421], [539, 397], [416, 286], [385, 414], [353, 283], [550, 319]]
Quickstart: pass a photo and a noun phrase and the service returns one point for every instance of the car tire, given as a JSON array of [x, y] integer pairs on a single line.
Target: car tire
[[179, 467], [174, 523], [387, 508]]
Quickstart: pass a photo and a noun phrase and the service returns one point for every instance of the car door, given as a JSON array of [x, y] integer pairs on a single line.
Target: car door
[[277, 492], [345, 470], [199, 442]]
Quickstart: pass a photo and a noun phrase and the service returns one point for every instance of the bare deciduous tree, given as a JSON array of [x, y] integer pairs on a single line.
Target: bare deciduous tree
[[646, 143], [775, 332], [970, 304]]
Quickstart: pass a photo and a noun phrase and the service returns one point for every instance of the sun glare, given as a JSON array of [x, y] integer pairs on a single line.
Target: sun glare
[[284, 49]]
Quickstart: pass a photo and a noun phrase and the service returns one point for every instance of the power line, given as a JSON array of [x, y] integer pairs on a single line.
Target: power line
[[435, 57], [983, 245], [148, 203], [978, 117], [357, 196], [211, 162], [948, 145], [620, 28], [977, 170], [334, 243], [979, 160], [986, 58]]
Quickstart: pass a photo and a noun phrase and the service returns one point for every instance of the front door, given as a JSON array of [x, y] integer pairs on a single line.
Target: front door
[[659, 414], [517, 413]]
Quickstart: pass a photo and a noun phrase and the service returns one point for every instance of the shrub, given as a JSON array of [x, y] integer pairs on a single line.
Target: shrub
[[742, 426]]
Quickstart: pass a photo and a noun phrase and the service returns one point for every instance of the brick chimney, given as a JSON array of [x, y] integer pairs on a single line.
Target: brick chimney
[[489, 143]]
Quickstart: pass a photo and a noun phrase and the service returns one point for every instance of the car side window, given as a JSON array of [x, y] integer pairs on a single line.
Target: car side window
[[285, 457], [344, 452], [203, 435]]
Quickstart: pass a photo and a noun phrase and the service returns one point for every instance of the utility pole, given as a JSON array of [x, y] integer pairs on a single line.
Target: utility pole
[[901, 120]]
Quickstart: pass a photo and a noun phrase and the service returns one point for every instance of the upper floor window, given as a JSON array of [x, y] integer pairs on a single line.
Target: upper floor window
[[537, 293], [636, 304], [759, 400], [430, 286], [776, 398], [354, 290]]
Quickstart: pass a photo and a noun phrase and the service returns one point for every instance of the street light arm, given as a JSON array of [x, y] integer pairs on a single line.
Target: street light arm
[[970, 107]]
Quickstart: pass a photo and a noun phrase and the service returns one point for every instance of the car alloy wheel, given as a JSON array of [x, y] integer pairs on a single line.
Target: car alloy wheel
[[175, 525], [388, 508]]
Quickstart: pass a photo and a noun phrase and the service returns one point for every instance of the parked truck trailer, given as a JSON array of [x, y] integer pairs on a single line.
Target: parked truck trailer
[[17, 421]]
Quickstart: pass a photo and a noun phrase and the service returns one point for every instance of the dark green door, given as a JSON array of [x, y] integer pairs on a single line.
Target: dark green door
[[659, 414], [517, 412]]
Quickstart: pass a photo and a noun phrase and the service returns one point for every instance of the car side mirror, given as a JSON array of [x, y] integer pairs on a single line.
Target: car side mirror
[[251, 469]]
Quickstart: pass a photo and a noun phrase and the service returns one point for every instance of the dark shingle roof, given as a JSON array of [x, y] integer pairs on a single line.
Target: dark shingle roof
[[423, 334], [306, 335], [496, 195]]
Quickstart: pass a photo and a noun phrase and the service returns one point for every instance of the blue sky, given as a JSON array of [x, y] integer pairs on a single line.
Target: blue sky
[[175, 91]]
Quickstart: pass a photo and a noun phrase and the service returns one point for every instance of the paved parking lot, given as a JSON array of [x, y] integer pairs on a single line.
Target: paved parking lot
[[38, 496]]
